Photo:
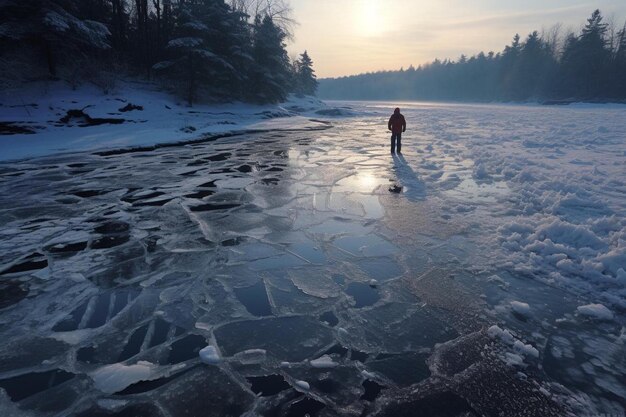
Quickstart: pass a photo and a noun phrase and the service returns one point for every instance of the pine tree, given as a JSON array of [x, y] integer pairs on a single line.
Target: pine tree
[[619, 65], [54, 26], [207, 36], [305, 78], [585, 60], [510, 88], [270, 75], [534, 68]]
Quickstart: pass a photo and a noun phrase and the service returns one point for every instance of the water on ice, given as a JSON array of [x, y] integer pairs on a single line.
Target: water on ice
[[492, 283]]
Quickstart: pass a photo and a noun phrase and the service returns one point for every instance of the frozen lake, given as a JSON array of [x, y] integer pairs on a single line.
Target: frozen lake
[[492, 284]]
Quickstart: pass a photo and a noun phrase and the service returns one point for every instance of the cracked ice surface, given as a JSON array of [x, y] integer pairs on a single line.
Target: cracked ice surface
[[283, 260]]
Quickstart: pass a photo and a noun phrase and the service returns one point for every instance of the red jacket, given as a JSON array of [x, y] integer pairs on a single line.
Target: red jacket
[[397, 124]]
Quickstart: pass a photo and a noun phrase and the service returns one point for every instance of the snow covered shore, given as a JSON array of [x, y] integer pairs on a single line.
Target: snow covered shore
[[134, 114]]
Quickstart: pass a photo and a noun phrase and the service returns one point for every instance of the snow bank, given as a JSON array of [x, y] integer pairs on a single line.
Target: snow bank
[[114, 378], [596, 311], [163, 118], [588, 256]]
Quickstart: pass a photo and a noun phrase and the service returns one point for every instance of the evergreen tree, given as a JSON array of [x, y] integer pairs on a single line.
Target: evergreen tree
[[190, 57], [619, 67], [510, 56], [53, 27], [207, 35], [586, 59], [305, 78], [270, 74], [534, 68]]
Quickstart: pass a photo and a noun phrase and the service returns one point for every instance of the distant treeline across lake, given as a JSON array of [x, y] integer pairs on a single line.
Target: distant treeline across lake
[[588, 66]]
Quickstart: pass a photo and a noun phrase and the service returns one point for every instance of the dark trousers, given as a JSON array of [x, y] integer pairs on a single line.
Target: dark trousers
[[396, 141]]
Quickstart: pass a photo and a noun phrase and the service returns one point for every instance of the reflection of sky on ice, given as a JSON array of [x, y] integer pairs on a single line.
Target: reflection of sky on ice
[[292, 247]]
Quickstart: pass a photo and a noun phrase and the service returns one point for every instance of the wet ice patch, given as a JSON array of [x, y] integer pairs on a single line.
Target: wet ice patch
[[323, 362], [114, 378]]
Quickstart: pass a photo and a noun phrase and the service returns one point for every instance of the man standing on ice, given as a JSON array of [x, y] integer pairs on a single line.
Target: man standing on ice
[[397, 125]]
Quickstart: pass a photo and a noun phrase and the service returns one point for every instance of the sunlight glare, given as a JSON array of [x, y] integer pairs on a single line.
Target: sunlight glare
[[367, 182], [370, 20]]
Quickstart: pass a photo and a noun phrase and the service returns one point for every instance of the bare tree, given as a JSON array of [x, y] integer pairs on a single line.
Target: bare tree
[[553, 38], [279, 10]]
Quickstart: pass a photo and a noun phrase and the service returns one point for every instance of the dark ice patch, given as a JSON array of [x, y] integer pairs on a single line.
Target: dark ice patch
[[282, 337], [134, 343], [305, 407], [135, 410], [186, 348], [32, 262], [364, 295], [210, 184], [147, 386], [12, 292], [404, 369], [13, 128], [357, 355], [97, 311], [337, 350], [329, 318], [88, 193], [200, 194], [219, 157], [326, 385], [234, 241], [269, 385], [112, 227], [212, 207], [254, 298], [270, 181], [24, 386], [84, 120], [443, 404], [133, 198], [244, 168], [130, 107], [67, 247], [86, 354], [155, 203], [110, 241], [372, 390]]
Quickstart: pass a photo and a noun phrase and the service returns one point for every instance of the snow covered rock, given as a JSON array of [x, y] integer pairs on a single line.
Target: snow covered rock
[[596, 311], [523, 309], [303, 385], [210, 356]]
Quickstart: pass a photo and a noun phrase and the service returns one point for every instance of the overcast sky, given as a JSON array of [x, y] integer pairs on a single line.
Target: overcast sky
[[352, 36]]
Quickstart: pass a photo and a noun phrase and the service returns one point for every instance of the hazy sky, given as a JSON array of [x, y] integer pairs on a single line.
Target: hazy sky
[[351, 36]]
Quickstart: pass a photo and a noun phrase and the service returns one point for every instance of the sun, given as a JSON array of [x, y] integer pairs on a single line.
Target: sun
[[370, 18]]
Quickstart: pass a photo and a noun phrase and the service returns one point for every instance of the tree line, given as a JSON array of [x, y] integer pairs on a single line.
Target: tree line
[[590, 66], [204, 49]]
